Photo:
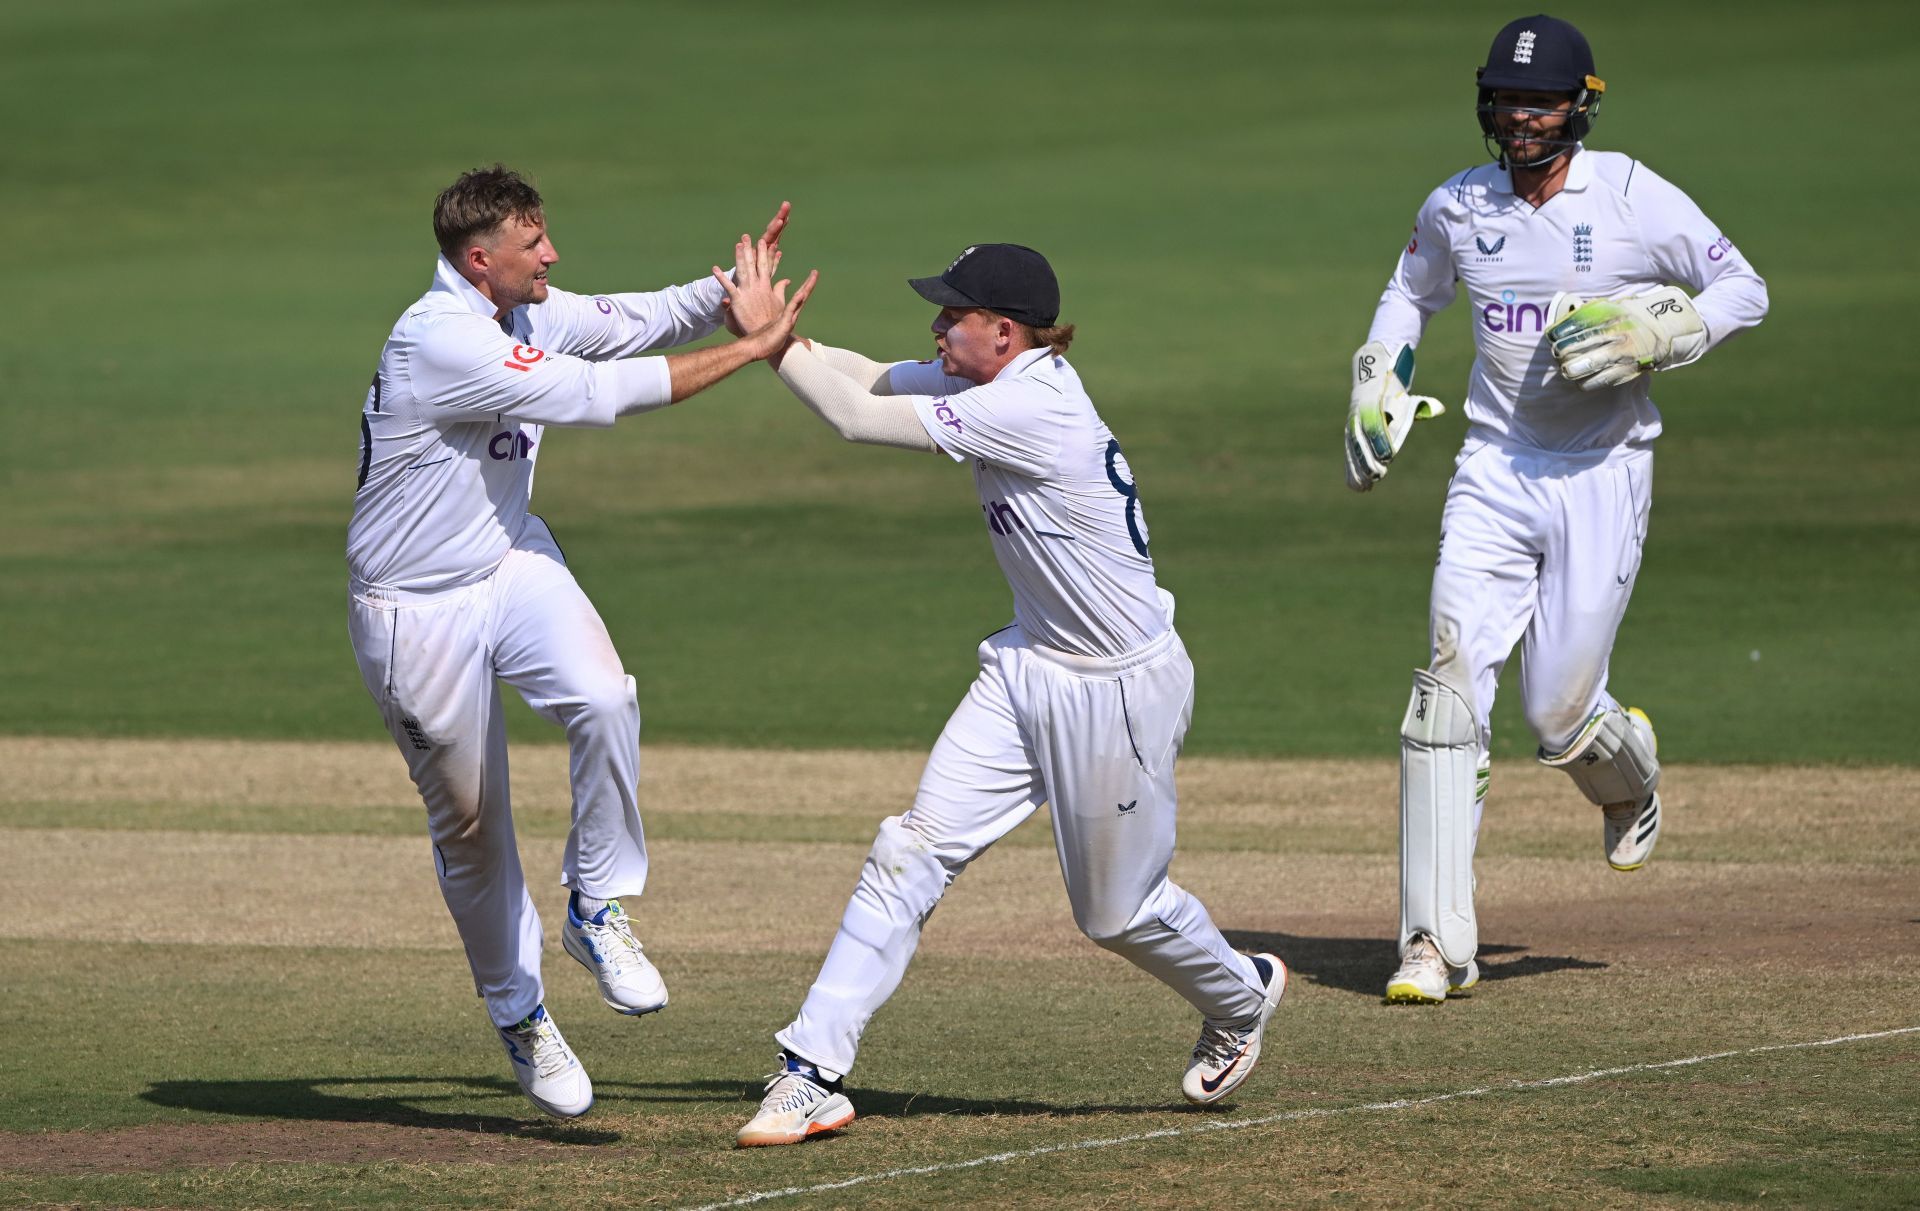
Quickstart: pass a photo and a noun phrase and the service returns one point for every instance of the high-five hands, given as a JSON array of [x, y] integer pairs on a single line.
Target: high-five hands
[[757, 307], [775, 227]]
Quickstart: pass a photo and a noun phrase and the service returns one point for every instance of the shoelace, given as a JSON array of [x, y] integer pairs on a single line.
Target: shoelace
[[1423, 952], [544, 1045], [615, 941], [1218, 1044], [798, 1094]]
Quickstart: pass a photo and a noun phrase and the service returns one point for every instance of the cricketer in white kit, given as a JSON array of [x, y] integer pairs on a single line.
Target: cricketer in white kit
[[1083, 702], [455, 586], [1585, 271]]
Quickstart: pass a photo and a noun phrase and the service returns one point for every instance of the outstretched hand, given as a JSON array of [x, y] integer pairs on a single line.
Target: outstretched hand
[[776, 225], [757, 308]]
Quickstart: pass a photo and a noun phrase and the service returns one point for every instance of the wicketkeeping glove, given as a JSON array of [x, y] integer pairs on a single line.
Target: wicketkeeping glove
[[1379, 412], [1612, 341]]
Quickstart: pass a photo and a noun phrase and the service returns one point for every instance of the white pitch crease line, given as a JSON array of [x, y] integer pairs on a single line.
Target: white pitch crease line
[[1293, 1116]]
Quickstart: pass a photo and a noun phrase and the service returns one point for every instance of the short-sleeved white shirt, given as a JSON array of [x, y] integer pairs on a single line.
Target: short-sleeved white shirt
[[454, 420], [1615, 229], [1056, 496]]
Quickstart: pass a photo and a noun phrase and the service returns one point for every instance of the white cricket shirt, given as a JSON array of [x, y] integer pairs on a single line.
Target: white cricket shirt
[[453, 422], [1615, 229], [1056, 496]]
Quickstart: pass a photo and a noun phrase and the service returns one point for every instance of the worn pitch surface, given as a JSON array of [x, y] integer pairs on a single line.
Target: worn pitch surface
[[265, 1001]]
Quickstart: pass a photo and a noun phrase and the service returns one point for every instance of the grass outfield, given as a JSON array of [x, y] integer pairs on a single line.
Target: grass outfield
[[235, 1025], [226, 205]]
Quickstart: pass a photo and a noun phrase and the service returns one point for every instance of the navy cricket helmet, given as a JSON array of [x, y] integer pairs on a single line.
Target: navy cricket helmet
[[1539, 54]]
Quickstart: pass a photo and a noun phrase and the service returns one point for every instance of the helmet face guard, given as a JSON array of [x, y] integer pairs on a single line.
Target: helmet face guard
[[1552, 144], [1540, 55]]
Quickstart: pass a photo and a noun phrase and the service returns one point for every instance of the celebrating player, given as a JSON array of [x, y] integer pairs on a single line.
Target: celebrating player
[[455, 584], [1082, 702], [1541, 537]]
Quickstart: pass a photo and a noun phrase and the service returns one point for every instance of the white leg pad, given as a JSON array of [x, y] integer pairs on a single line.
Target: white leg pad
[[1611, 760], [1439, 775]]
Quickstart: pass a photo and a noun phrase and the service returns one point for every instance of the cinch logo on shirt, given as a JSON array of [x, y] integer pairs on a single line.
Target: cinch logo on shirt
[[947, 415], [523, 358], [509, 447], [1722, 248], [1001, 518], [1509, 316]]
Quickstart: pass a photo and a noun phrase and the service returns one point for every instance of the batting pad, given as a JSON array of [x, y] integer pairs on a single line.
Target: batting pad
[[1439, 773], [1611, 760]]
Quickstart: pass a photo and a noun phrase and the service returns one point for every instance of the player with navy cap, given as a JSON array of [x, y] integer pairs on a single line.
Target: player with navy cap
[[1586, 273], [1082, 703]]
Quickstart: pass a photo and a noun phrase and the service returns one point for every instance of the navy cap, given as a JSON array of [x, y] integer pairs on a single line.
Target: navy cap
[[1008, 279], [1538, 53]]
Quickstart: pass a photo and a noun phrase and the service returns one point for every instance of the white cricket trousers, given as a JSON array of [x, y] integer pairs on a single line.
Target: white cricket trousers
[[1097, 738], [1541, 550], [430, 660]]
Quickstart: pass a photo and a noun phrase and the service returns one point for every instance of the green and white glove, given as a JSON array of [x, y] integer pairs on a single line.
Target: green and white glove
[[1612, 341], [1380, 412]]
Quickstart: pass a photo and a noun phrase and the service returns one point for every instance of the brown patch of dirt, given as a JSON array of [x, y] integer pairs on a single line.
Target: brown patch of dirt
[[159, 1146]]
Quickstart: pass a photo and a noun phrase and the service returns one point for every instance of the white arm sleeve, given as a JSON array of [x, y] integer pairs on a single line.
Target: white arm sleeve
[[464, 367], [601, 327], [1423, 282], [925, 378], [855, 413], [863, 370], [1687, 249]]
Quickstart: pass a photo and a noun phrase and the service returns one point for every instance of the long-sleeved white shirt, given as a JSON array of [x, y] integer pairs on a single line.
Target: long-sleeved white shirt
[[1615, 229], [453, 421]]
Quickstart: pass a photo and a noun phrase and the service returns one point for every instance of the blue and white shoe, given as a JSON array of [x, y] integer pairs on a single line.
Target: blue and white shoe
[[548, 1071], [604, 944], [1226, 1054]]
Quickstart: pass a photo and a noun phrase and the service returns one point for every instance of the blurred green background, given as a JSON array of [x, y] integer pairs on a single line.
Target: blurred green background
[[218, 209]]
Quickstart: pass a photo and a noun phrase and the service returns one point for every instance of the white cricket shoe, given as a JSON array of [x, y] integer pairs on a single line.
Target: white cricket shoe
[[604, 944], [1425, 977], [1226, 1054], [546, 1067], [797, 1104], [1629, 831]]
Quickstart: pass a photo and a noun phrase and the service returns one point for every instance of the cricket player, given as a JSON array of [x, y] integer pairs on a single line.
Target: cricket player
[[454, 584], [1082, 702], [1586, 273]]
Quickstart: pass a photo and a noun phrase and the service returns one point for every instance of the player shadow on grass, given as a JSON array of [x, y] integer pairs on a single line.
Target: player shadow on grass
[[347, 1100], [887, 1103], [315, 1099], [1362, 965]]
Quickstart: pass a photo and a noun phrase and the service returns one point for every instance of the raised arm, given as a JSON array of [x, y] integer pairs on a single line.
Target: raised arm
[[602, 327]]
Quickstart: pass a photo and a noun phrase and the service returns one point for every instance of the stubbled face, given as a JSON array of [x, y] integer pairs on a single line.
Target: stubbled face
[[969, 342], [1525, 121], [518, 256]]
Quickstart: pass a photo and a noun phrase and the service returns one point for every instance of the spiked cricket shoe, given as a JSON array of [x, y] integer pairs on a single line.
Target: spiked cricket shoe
[[798, 1103], [1425, 978], [548, 1071], [604, 944], [1630, 830], [1225, 1054]]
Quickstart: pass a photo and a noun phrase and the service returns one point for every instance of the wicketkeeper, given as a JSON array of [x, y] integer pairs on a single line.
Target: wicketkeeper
[[1587, 274]]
